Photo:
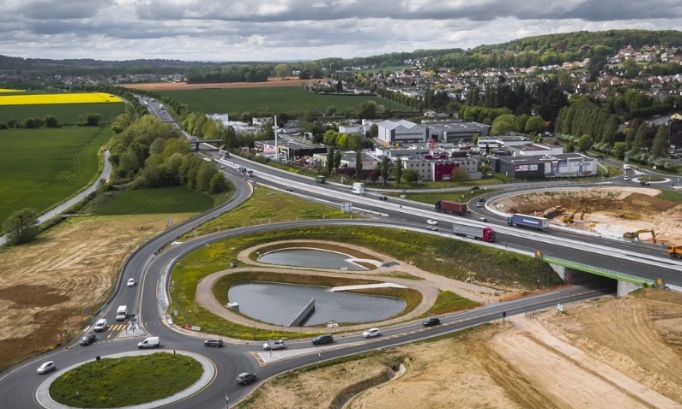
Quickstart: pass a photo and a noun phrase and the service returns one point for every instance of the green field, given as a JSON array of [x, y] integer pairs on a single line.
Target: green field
[[276, 99], [156, 201], [66, 114], [40, 168]]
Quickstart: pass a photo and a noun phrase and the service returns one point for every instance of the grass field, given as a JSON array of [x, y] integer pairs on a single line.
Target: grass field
[[126, 381], [283, 99], [155, 201], [66, 114], [41, 167]]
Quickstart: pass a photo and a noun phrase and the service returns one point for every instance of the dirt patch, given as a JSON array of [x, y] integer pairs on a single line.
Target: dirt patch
[[179, 86], [603, 353], [607, 211], [51, 288]]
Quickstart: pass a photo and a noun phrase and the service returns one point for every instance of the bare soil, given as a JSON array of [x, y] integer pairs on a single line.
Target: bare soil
[[605, 353], [179, 86], [50, 288], [610, 211]]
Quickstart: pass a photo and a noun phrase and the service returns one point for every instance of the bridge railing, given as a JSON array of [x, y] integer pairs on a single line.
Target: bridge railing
[[599, 271]]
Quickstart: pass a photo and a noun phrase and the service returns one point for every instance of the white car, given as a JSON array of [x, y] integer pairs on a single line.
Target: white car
[[131, 282], [46, 367], [432, 222], [273, 345], [372, 332], [626, 177]]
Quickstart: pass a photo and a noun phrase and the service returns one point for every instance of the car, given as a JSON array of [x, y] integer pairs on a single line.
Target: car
[[626, 177], [274, 345], [101, 325], [383, 197], [131, 282], [644, 183], [323, 339], [246, 378], [46, 367], [213, 343], [479, 205], [475, 188], [290, 189], [88, 339], [432, 222], [431, 322], [626, 167], [482, 219], [371, 333], [432, 228], [481, 199]]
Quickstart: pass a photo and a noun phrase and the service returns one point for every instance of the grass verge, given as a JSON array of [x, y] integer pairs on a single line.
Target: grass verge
[[448, 301], [113, 383]]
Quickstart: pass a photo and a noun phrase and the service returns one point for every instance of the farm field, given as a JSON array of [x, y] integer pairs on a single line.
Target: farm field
[[62, 98], [273, 99], [41, 167], [66, 114], [154, 201]]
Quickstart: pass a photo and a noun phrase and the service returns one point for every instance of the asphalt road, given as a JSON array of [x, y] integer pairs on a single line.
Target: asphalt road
[[148, 300]]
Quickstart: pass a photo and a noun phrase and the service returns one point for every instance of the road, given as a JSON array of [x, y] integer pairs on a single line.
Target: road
[[148, 300]]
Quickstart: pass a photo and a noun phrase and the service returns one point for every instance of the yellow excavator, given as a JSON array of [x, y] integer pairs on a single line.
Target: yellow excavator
[[675, 251], [553, 211], [635, 234]]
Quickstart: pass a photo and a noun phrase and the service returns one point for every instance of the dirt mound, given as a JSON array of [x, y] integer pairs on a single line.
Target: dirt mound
[[610, 212]]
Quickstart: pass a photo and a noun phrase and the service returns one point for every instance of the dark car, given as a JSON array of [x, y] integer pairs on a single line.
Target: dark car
[[431, 322], [383, 197], [323, 339], [644, 183], [213, 343], [88, 339], [246, 378], [481, 199]]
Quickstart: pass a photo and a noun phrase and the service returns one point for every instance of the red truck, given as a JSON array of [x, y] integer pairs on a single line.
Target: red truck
[[447, 206], [478, 233]]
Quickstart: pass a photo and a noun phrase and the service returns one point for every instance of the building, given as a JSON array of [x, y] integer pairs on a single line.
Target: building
[[504, 141], [441, 169], [400, 132], [536, 149], [289, 148], [455, 131], [546, 166]]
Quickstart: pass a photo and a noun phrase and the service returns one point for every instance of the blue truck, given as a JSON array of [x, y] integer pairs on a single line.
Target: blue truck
[[528, 222]]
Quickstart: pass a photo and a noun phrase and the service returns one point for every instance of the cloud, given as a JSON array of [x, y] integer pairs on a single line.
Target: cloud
[[241, 30]]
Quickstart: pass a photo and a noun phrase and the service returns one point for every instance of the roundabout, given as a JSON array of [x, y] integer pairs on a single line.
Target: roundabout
[[208, 373]]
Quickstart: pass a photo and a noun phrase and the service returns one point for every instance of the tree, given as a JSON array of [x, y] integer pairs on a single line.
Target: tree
[[398, 171], [204, 175], [373, 131], [534, 125], [51, 122], [659, 147], [459, 174], [358, 164], [368, 110], [330, 160], [217, 184], [282, 70], [385, 166], [21, 226], [410, 176], [338, 155], [503, 124], [619, 149], [331, 110], [585, 143]]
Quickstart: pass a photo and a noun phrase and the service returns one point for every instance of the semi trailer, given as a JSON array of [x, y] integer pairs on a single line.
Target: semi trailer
[[447, 206], [528, 222], [479, 233]]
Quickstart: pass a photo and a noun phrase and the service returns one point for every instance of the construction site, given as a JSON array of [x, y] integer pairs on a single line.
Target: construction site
[[622, 213]]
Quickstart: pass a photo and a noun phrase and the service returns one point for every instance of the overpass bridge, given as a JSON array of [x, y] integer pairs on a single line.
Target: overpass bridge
[[196, 144], [574, 272]]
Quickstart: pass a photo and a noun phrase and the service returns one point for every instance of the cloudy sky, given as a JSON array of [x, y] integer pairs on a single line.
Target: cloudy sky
[[276, 30]]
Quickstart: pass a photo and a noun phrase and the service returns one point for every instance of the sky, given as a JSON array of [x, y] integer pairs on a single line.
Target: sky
[[292, 30]]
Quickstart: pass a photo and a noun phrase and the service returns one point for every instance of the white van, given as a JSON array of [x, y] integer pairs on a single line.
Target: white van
[[626, 167], [151, 342], [121, 313], [100, 325]]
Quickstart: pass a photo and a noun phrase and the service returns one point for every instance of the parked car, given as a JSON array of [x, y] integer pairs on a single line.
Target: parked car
[[246, 378], [131, 282], [323, 339], [431, 322], [432, 222], [371, 333], [46, 367], [213, 343], [274, 345], [88, 339]]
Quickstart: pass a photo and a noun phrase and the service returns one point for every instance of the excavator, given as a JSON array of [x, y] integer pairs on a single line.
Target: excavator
[[553, 211], [582, 210], [635, 234]]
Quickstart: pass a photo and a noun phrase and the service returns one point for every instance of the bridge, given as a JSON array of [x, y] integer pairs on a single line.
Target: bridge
[[573, 272], [196, 144]]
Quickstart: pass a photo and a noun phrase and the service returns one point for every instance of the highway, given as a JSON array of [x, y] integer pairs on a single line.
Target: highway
[[150, 267]]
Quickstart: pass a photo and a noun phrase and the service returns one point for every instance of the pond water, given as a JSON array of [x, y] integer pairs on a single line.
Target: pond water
[[280, 304], [310, 258]]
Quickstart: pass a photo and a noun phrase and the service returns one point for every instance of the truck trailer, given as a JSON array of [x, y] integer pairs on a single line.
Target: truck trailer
[[359, 188], [528, 222], [447, 206], [479, 233]]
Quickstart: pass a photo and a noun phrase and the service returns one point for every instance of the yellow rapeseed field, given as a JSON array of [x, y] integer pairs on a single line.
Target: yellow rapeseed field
[[49, 99], [11, 90]]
